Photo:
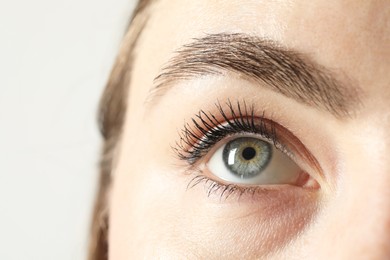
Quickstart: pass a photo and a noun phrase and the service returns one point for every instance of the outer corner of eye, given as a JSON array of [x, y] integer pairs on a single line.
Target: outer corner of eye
[[254, 161]]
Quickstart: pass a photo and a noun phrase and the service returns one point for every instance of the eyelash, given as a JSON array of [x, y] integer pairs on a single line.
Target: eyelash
[[207, 130]]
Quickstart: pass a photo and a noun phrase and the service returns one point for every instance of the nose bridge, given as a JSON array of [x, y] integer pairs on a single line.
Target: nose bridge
[[379, 194], [369, 215], [362, 206], [382, 127], [357, 223], [366, 218]]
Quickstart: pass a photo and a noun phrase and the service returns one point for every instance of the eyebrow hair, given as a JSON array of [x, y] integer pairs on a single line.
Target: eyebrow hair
[[284, 71]]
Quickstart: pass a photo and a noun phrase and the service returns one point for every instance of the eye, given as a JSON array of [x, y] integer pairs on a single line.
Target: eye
[[252, 160], [241, 146]]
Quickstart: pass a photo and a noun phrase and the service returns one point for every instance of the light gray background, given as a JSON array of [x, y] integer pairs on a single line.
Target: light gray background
[[55, 56]]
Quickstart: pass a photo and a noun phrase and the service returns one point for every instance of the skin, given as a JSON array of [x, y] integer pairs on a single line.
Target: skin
[[346, 216]]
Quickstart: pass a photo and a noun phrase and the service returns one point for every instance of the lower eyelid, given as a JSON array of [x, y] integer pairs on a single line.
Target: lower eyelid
[[232, 193]]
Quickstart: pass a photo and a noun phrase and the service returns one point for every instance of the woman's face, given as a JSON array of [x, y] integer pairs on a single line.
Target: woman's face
[[266, 135]]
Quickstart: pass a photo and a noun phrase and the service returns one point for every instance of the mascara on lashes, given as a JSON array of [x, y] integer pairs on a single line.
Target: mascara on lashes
[[207, 130]]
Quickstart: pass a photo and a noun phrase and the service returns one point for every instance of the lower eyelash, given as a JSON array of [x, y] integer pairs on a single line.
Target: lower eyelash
[[224, 190]]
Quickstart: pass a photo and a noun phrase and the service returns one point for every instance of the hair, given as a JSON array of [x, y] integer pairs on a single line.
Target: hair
[[111, 116]]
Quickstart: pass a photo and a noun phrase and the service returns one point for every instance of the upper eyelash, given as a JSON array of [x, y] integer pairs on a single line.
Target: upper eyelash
[[208, 130]]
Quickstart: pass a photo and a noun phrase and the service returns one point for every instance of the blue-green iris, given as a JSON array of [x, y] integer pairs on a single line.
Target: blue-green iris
[[247, 157]]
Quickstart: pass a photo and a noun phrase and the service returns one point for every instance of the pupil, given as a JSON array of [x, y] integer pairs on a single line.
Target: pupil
[[249, 153]]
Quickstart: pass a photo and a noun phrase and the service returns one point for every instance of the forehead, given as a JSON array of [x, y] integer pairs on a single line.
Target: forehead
[[349, 37]]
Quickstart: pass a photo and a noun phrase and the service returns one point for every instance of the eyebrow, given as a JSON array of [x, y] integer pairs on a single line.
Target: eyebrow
[[282, 70]]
